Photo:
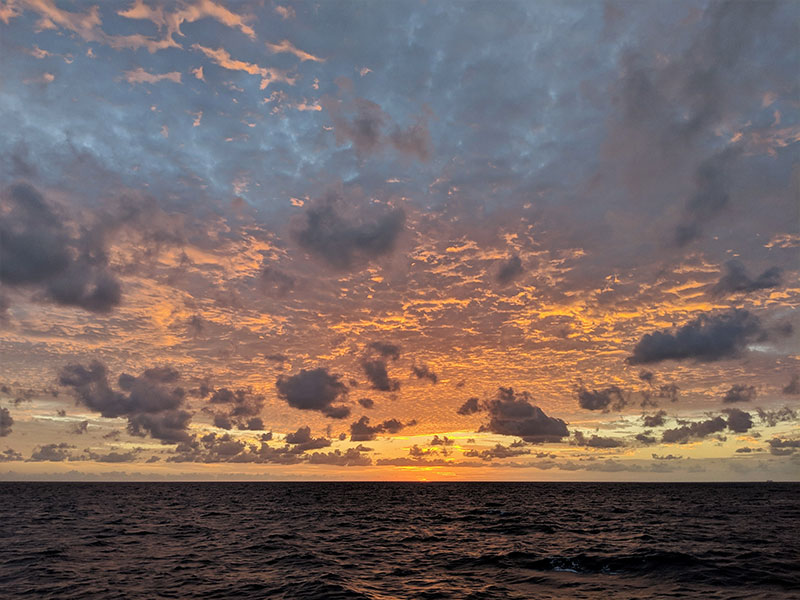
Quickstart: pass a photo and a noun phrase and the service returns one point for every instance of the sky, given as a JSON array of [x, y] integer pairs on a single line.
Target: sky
[[400, 240]]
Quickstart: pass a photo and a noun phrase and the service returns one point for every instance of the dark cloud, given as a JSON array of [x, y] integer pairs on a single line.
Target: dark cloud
[[513, 414], [705, 339], [470, 407], [243, 407], [385, 349], [736, 280], [498, 452], [655, 420], [314, 389], [612, 397], [6, 421], [781, 447], [666, 457], [352, 457], [740, 393], [646, 438], [366, 402], [274, 280], [150, 401], [362, 431], [793, 387], [773, 417], [596, 441], [739, 421], [424, 372], [441, 441], [115, 457], [510, 270], [51, 452], [670, 391], [342, 242], [10, 455], [302, 440], [79, 428], [378, 375], [647, 376], [364, 124], [37, 249]]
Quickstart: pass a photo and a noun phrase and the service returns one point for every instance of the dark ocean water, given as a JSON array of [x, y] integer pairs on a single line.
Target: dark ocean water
[[395, 540]]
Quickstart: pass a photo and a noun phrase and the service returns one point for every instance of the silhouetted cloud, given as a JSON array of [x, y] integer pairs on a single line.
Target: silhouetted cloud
[[596, 441], [314, 389], [243, 407], [793, 387], [706, 338], [739, 421], [52, 452], [352, 457], [666, 456], [37, 249], [782, 447], [6, 421], [513, 414], [736, 280], [773, 417], [362, 431], [497, 452], [79, 428], [655, 420], [385, 349], [150, 401], [441, 441], [10, 455], [602, 399], [366, 402], [424, 372], [378, 375], [470, 407], [342, 242], [510, 270], [302, 440], [740, 393]]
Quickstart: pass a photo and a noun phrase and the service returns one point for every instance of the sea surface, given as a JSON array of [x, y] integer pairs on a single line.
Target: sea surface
[[399, 540]]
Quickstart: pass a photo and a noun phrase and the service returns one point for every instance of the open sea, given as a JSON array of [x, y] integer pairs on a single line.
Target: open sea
[[399, 540]]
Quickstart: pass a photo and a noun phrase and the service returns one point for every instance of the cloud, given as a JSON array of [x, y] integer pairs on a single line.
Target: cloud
[[314, 389], [352, 457], [441, 441], [10, 455], [773, 417], [243, 407], [498, 452], [287, 46], [385, 349], [6, 421], [666, 457], [139, 75], [51, 452], [782, 447], [344, 242], [37, 249], [510, 270], [302, 440], [150, 401], [80, 428], [736, 280], [656, 420], [378, 376], [470, 407], [424, 372], [739, 421], [366, 402], [369, 129], [596, 441], [740, 393], [793, 387], [602, 399], [222, 58], [705, 339], [362, 431], [513, 414]]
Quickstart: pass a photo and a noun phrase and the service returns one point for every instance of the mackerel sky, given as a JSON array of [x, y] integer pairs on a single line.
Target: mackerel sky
[[399, 240]]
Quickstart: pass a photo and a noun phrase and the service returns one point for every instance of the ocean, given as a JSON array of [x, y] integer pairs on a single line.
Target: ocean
[[399, 540]]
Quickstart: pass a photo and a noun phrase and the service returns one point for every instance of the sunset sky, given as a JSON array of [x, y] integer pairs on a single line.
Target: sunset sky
[[399, 240]]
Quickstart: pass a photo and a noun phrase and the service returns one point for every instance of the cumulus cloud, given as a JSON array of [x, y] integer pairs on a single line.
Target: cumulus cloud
[[705, 339], [497, 452], [302, 440], [596, 441], [6, 421], [513, 414], [52, 453], [510, 270], [362, 431], [739, 421], [378, 376], [612, 397], [773, 417], [740, 393], [352, 457], [655, 420], [736, 280], [441, 441], [10, 455], [151, 401], [243, 407], [470, 407], [424, 372], [314, 389], [38, 250], [366, 402], [793, 387], [782, 447], [345, 241]]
